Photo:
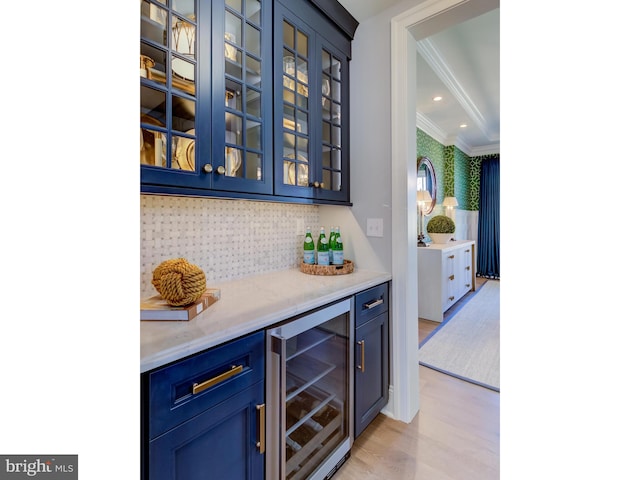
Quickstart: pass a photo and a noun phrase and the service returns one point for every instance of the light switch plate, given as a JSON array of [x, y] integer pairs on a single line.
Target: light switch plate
[[374, 227]]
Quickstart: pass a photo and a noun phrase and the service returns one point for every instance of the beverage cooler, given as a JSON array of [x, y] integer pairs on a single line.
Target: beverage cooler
[[310, 394]]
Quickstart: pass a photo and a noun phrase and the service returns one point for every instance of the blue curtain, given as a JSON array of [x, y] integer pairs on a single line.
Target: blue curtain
[[489, 219]]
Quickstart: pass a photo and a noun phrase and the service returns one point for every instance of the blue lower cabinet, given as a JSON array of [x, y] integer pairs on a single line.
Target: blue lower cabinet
[[203, 417], [371, 350], [221, 443], [372, 371]]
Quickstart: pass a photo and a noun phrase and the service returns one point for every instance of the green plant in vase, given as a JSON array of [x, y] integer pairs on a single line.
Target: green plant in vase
[[441, 229]]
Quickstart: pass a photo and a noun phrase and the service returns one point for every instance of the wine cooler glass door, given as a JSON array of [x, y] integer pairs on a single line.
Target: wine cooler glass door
[[311, 397]]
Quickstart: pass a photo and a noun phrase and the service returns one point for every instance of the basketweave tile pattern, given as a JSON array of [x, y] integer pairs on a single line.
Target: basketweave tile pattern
[[228, 239]]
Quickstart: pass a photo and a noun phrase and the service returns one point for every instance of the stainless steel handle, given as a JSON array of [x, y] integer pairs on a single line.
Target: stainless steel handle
[[261, 428], [374, 304], [201, 387], [361, 366]]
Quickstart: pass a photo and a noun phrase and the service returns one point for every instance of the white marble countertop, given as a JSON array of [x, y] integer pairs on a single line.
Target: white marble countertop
[[446, 246], [247, 305]]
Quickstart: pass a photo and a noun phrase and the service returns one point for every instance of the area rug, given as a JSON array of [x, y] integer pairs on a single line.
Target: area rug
[[467, 346]]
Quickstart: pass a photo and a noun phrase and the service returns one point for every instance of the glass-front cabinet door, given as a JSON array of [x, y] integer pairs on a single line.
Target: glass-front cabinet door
[[203, 107], [310, 118]]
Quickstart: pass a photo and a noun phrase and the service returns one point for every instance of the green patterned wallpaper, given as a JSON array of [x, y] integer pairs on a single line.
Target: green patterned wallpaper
[[435, 151], [457, 174]]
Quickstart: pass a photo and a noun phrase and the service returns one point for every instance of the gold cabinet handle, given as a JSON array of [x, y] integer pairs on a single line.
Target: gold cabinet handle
[[452, 277], [221, 170], [207, 168], [374, 304], [201, 387], [261, 428], [361, 366], [452, 256]]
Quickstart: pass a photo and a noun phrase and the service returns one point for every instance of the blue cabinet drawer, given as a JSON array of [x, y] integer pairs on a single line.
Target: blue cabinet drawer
[[371, 303], [188, 387]]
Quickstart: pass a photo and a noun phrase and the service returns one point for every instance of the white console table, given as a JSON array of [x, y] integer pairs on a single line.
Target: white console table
[[446, 272]]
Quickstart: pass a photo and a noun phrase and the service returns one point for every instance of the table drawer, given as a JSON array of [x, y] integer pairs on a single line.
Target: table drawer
[[371, 303], [188, 387]]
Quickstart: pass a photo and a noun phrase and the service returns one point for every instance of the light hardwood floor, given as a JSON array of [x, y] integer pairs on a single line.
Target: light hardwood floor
[[454, 436]]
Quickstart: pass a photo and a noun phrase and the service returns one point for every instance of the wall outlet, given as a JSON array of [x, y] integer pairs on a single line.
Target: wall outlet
[[374, 227], [300, 226]]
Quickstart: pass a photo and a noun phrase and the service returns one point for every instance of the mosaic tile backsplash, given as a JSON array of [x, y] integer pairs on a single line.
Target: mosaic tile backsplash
[[228, 239]]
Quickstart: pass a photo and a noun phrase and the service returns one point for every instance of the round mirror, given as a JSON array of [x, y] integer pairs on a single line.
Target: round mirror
[[427, 186]]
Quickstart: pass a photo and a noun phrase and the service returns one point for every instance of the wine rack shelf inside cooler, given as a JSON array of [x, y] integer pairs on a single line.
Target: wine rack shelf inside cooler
[[314, 420], [305, 371]]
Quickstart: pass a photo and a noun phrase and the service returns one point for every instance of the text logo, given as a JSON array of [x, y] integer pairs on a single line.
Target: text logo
[[45, 467]]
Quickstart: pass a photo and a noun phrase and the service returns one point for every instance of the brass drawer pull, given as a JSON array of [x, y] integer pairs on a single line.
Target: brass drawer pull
[[452, 256], [200, 387], [374, 304], [261, 428], [361, 366], [452, 277]]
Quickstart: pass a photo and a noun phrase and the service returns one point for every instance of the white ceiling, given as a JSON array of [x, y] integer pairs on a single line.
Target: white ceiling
[[460, 61]]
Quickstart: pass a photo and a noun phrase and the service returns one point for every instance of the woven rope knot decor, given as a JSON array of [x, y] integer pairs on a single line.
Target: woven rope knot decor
[[179, 282]]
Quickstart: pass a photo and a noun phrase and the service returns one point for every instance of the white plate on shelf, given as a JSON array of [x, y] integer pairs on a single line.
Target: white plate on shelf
[[185, 152]]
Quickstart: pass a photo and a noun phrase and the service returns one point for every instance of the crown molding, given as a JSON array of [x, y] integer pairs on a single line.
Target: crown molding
[[427, 126], [433, 58]]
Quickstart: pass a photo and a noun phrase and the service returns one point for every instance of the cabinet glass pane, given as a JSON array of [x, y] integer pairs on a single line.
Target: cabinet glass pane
[[254, 72], [303, 44], [288, 35], [152, 148], [254, 135], [254, 166], [253, 40], [253, 11], [233, 162], [234, 128], [235, 4], [254, 101], [233, 96], [153, 63], [183, 114], [185, 8], [184, 150], [153, 22], [153, 106]]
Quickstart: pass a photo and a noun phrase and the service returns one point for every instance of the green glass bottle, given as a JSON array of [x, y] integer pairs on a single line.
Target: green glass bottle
[[309, 248], [338, 248], [323, 248], [332, 241]]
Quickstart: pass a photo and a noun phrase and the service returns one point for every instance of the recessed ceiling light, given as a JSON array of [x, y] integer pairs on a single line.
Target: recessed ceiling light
[[463, 125], [437, 98]]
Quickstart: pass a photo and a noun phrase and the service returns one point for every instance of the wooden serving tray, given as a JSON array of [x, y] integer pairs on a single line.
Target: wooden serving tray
[[327, 269]]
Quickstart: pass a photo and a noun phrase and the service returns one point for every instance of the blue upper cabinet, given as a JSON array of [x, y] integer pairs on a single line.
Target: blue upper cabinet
[[223, 110], [205, 92], [311, 92]]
